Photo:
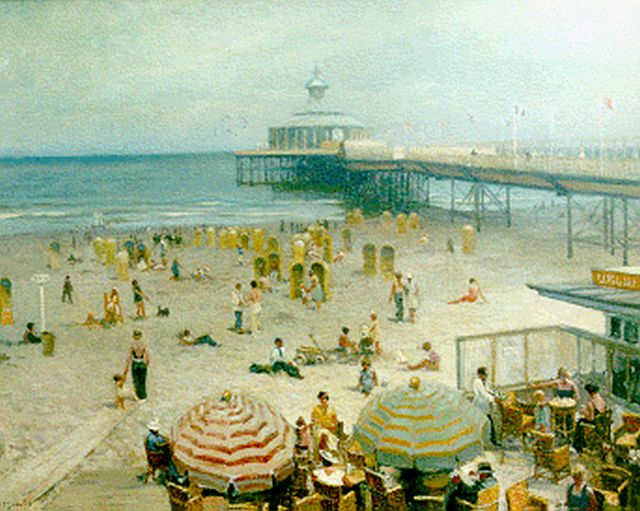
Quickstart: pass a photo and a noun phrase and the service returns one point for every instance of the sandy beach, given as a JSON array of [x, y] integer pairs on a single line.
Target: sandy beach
[[44, 398]]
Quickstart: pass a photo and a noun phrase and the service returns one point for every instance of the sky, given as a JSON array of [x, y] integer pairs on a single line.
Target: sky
[[102, 77]]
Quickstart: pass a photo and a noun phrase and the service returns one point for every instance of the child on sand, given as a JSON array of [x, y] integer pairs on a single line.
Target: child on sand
[[368, 378], [431, 360], [119, 382]]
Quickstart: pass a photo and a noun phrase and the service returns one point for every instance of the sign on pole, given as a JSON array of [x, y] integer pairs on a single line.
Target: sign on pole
[[41, 279]]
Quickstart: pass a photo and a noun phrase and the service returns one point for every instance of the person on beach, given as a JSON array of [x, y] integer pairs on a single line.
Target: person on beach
[[138, 360], [113, 308], [159, 445], [368, 378], [138, 299], [541, 412], [255, 308], [484, 400], [472, 295], [411, 297], [594, 407], [324, 416], [30, 336], [397, 296], [175, 269], [186, 339], [375, 333], [346, 345], [237, 303], [580, 496], [314, 292], [280, 361], [119, 384], [563, 386], [430, 362], [67, 290]]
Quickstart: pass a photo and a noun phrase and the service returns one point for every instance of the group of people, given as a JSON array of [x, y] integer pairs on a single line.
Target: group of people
[[252, 301], [405, 296], [563, 388]]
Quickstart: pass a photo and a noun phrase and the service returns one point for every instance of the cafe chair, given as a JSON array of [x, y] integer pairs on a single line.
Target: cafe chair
[[488, 500], [626, 437], [382, 497], [549, 462], [212, 503], [519, 498], [179, 497], [331, 494], [348, 502], [310, 503], [435, 488], [613, 484], [515, 422], [597, 436]]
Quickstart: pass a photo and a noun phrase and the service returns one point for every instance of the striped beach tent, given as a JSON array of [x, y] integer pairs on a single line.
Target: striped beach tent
[[234, 443], [424, 426]]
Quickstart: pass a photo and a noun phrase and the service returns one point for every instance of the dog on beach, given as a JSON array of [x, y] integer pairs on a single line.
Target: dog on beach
[[163, 312]]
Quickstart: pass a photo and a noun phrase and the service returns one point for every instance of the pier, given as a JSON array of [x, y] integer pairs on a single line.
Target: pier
[[612, 220]]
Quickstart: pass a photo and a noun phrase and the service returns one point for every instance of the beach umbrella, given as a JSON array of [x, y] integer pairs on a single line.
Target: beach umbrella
[[234, 443], [424, 426]]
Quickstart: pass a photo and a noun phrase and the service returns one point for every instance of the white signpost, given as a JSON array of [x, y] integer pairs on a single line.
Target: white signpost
[[41, 279]]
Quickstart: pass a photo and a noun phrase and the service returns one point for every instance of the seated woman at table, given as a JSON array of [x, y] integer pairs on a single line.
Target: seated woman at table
[[563, 386], [594, 407]]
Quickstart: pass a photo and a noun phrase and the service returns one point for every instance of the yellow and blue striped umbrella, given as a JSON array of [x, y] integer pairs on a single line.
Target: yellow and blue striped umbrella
[[424, 426]]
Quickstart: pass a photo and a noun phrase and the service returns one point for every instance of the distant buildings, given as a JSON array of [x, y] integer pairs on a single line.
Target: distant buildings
[[317, 125]]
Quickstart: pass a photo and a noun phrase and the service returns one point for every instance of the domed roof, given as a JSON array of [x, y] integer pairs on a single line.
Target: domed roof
[[317, 112]]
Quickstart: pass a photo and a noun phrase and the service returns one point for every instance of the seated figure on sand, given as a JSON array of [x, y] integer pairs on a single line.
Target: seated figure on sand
[[431, 360], [472, 295], [324, 423], [30, 336], [186, 339]]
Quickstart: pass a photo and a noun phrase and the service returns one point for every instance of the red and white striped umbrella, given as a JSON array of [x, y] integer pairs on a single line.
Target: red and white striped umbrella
[[235, 441]]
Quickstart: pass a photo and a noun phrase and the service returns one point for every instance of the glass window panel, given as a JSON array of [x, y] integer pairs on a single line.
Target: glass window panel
[[619, 374], [474, 353], [631, 331], [510, 361], [615, 327]]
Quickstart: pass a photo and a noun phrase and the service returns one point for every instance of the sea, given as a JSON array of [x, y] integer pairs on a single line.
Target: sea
[[53, 194]]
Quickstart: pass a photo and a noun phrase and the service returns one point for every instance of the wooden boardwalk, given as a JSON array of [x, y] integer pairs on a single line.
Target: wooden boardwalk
[[32, 479]]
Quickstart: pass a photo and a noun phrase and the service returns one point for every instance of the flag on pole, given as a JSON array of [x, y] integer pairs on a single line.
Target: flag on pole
[[607, 102], [519, 111]]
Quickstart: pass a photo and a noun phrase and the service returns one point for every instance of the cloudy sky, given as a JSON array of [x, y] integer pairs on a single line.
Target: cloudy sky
[[125, 77]]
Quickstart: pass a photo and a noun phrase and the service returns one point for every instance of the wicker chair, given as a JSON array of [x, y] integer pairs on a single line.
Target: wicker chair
[[310, 503], [179, 497], [597, 436], [549, 462], [626, 437], [519, 498], [488, 500], [613, 484], [435, 487], [155, 461], [383, 498], [331, 494], [515, 422], [348, 502]]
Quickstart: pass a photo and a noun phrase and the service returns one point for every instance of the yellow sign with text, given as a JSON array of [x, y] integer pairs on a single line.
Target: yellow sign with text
[[616, 279]]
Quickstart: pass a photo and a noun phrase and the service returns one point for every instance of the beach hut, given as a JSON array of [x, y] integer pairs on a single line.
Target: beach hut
[[259, 267], [424, 426], [258, 240], [296, 278], [401, 223], [6, 305], [386, 220], [387, 261], [273, 245], [299, 249], [369, 259], [234, 444], [347, 240], [468, 239], [197, 237]]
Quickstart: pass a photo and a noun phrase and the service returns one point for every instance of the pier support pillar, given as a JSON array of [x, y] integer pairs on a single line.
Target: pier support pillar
[[612, 231], [605, 223], [508, 205], [478, 204], [625, 232], [453, 199], [569, 228]]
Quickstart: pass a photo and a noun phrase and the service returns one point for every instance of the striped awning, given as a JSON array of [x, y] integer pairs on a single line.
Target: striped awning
[[426, 426], [234, 443]]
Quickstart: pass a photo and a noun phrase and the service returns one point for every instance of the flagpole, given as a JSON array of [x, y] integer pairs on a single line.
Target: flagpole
[[514, 142]]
